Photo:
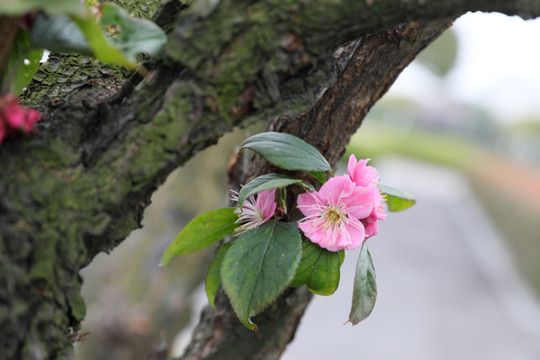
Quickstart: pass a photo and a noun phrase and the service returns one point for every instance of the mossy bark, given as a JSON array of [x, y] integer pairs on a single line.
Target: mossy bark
[[79, 184]]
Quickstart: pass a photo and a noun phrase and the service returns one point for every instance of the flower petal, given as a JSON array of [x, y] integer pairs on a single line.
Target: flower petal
[[266, 204], [372, 228], [309, 203], [255, 211], [15, 115], [361, 202], [353, 235], [360, 173], [335, 189]]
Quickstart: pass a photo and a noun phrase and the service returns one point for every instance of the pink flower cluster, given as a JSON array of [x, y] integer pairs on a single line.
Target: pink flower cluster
[[345, 210], [15, 118]]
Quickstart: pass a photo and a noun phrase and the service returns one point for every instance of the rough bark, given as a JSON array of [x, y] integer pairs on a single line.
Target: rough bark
[[79, 185]]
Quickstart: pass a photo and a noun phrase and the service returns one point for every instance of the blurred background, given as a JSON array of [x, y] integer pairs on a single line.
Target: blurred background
[[458, 274]]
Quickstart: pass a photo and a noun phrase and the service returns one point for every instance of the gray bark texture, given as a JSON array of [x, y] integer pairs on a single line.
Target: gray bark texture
[[78, 186]]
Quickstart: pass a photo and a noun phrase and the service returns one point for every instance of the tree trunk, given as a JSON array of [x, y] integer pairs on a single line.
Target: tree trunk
[[80, 184]]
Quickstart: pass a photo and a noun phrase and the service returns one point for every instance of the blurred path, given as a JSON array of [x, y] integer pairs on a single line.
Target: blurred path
[[447, 288]]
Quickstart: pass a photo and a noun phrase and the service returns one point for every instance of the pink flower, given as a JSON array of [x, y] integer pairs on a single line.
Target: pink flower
[[14, 114], [371, 222], [32, 116], [15, 118], [361, 174], [368, 178], [255, 212], [333, 213]]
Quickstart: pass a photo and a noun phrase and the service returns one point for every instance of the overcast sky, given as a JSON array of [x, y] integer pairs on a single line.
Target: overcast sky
[[498, 66]]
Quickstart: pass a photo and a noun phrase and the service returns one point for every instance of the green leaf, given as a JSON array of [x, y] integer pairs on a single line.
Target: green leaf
[[21, 7], [213, 277], [282, 199], [319, 269], [23, 62], [287, 152], [365, 287], [83, 35], [320, 176], [205, 229], [269, 182], [102, 49], [259, 266], [136, 35], [58, 33], [396, 199], [77, 34]]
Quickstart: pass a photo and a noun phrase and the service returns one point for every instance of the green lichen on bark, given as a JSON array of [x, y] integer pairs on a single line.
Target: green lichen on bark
[[144, 9], [63, 74], [79, 184], [234, 50], [38, 271]]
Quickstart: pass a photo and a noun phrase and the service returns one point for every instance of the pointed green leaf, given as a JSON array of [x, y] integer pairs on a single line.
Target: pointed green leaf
[[213, 276], [396, 199], [58, 33], [83, 35], [320, 176], [79, 34], [102, 49], [23, 62], [259, 266], [365, 287], [282, 199], [319, 269], [136, 35], [269, 182], [205, 229], [287, 152]]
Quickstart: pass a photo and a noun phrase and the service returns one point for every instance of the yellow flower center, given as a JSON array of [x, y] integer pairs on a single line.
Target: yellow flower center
[[334, 216]]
